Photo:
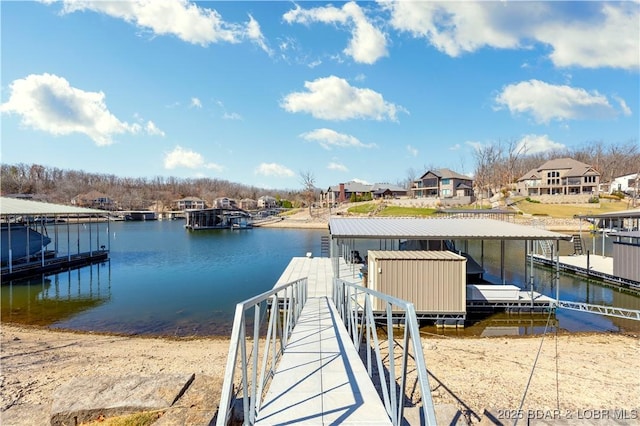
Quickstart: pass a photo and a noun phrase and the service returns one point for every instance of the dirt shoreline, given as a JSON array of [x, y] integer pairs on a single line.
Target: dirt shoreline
[[574, 372]]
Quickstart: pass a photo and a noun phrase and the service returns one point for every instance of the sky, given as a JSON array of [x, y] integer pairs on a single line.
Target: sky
[[264, 92]]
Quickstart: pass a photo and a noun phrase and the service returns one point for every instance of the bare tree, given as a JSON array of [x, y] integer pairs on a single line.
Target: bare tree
[[309, 188]]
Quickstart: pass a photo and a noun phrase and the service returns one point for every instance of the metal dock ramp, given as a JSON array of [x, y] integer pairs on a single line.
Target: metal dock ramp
[[321, 379], [307, 369]]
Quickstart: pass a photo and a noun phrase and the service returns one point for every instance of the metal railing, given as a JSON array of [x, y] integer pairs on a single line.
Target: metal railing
[[282, 305], [356, 307], [611, 311]]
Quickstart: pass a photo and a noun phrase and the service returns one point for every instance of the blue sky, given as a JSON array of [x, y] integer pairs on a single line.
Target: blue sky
[[260, 92]]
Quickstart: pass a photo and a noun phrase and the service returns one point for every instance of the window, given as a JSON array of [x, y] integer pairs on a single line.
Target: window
[[553, 174], [589, 179], [445, 181]]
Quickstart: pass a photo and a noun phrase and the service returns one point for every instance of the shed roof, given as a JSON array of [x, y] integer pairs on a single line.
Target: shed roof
[[14, 206], [440, 229], [622, 214], [414, 255]]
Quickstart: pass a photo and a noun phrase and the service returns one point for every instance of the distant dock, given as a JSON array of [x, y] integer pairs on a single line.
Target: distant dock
[[217, 218], [595, 266]]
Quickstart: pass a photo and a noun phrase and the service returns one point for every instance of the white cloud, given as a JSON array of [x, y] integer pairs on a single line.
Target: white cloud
[[180, 18], [535, 144], [606, 35], [612, 41], [231, 116], [273, 169], [152, 129], [623, 105], [328, 138], [546, 102], [362, 181], [337, 166], [255, 34], [455, 147], [333, 98], [412, 151], [367, 44], [47, 102], [195, 103], [181, 157]]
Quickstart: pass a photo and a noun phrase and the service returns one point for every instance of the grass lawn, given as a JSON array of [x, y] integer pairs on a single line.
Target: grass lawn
[[391, 211], [568, 210]]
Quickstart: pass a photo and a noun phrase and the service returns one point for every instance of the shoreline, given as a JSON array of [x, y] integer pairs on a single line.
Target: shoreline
[[574, 371]]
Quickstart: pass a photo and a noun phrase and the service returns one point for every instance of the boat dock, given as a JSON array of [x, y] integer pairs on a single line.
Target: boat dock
[[52, 265], [596, 266]]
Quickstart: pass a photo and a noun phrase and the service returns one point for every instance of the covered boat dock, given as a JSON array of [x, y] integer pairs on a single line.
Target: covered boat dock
[[37, 237], [349, 235]]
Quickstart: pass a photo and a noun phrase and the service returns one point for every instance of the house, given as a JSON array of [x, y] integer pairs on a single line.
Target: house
[[343, 191], [224, 203], [628, 184], [562, 176], [189, 203], [248, 204], [267, 202], [386, 190], [94, 200], [443, 183]]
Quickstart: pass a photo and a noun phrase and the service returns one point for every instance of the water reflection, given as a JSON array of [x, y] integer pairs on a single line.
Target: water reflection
[[46, 301]]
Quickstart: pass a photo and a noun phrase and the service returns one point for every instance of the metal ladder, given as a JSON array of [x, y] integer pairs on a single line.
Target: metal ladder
[[577, 244], [546, 247]]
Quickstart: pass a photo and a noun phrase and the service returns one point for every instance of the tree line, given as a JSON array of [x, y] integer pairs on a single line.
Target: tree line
[[61, 186], [497, 167]]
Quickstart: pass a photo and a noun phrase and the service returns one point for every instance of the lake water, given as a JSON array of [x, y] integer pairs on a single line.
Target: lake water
[[164, 280]]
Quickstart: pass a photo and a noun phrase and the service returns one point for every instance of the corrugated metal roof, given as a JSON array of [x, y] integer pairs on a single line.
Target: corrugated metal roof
[[633, 213], [414, 254], [444, 229], [14, 206]]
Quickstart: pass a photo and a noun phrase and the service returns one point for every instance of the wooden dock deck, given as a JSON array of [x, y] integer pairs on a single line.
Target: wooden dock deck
[[321, 379]]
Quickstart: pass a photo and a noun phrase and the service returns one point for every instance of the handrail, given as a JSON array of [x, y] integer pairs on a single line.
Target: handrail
[[355, 305], [286, 302]]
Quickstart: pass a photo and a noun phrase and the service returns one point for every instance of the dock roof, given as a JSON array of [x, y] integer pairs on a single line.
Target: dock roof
[[622, 214], [15, 206], [437, 229]]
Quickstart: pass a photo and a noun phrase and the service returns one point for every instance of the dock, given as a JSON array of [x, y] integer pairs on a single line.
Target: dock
[[595, 266], [321, 378], [52, 265]]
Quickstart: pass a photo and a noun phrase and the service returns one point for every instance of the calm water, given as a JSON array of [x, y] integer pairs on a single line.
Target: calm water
[[164, 280]]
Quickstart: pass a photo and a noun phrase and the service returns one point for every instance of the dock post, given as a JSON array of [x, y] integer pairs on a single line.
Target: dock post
[[588, 270]]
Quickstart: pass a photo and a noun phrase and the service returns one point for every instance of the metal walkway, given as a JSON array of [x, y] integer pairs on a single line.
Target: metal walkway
[[312, 372], [320, 379]]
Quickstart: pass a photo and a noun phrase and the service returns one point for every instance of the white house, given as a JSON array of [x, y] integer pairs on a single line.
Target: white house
[[267, 202], [626, 183]]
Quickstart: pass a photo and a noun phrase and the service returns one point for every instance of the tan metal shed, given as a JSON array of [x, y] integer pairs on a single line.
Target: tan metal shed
[[434, 281]]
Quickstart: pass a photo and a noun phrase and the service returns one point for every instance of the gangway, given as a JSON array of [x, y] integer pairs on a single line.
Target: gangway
[[292, 359], [611, 311]]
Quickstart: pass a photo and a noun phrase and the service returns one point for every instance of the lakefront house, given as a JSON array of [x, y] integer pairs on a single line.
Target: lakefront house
[[562, 176], [443, 183]]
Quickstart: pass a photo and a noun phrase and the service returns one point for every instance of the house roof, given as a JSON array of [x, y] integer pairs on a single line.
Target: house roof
[[572, 167], [352, 186], [13, 206], [384, 186], [437, 229], [623, 214], [445, 173]]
